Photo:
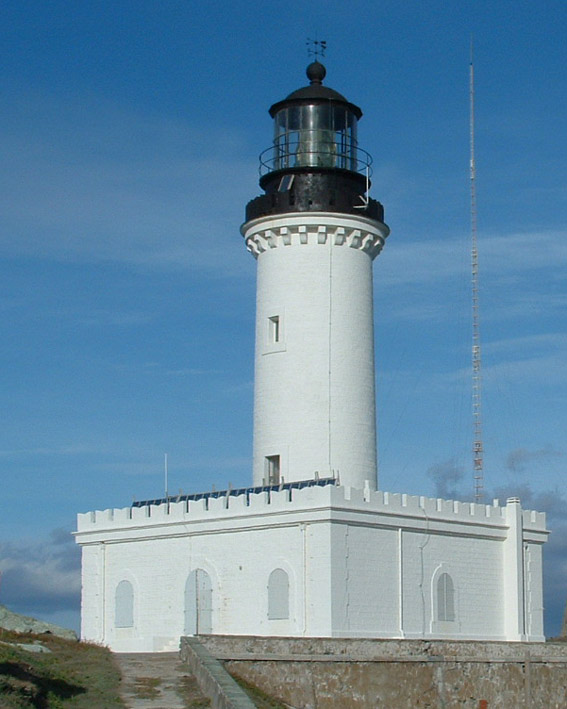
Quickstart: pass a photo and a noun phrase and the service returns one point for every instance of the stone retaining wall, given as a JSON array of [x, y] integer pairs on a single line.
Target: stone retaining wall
[[329, 673]]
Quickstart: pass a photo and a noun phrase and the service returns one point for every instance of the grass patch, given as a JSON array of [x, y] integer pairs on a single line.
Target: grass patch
[[189, 690], [146, 687], [258, 696], [72, 674]]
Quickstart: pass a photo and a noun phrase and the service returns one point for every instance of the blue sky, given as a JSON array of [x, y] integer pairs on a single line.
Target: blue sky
[[129, 140]]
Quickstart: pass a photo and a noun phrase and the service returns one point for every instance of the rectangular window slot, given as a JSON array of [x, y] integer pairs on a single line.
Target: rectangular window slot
[[285, 183], [273, 469], [274, 329], [274, 332]]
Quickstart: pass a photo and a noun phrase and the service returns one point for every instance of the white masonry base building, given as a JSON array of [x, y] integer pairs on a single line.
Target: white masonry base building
[[321, 561]]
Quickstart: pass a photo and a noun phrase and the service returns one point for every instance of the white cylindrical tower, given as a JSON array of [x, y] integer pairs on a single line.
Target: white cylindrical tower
[[314, 234]]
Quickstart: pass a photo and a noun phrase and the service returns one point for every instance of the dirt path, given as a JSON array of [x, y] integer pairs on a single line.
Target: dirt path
[[158, 681]]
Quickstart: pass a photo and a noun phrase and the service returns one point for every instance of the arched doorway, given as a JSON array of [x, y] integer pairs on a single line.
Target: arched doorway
[[198, 603]]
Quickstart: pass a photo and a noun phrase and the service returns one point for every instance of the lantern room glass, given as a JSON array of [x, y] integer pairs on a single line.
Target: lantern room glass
[[315, 135]]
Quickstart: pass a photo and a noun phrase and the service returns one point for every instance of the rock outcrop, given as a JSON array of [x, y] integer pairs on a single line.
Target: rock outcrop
[[24, 624]]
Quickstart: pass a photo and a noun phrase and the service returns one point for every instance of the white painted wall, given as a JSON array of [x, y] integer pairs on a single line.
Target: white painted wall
[[314, 397], [475, 566], [371, 607], [347, 554]]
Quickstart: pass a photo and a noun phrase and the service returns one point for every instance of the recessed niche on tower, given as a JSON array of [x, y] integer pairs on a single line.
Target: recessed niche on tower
[[274, 336], [274, 329]]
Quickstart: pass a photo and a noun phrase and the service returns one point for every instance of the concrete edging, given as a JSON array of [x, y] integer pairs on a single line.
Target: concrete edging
[[214, 681], [267, 657]]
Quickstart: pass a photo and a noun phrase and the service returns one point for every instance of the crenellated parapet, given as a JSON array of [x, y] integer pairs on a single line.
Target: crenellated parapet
[[351, 505], [322, 229]]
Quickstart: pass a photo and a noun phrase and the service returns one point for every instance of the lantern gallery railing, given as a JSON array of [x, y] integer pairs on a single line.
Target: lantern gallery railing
[[311, 151]]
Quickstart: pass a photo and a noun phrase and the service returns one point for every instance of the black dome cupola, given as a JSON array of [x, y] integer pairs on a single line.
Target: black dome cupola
[[314, 163]]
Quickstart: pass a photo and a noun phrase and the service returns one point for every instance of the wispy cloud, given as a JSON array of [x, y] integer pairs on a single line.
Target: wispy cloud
[[550, 501], [548, 369], [421, 260], [95, 317], [541, 342], [63, 450], [517, 460], [191, 372], [447, 478], [537, 360], [533, 299], [89, 181]]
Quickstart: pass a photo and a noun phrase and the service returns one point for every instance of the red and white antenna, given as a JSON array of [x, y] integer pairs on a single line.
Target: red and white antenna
[[478, 449]]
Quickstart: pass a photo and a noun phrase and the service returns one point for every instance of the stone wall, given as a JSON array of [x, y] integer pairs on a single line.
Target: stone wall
[[344, 674]]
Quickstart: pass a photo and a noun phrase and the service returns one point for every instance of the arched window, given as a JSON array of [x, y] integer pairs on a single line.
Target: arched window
[[124, 605], [278, 595], [445, 598]]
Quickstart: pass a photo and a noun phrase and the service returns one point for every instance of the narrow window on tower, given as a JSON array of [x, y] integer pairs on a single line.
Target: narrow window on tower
[[273, 469], [274, 333]]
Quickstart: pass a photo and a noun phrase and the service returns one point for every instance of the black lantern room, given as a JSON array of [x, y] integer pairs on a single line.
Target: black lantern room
[[315, 163]]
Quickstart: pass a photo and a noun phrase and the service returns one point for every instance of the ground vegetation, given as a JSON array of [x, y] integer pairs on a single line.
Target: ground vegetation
[[49, 672]]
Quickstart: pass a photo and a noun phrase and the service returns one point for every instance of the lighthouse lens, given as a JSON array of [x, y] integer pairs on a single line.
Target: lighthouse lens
[[315, 135]]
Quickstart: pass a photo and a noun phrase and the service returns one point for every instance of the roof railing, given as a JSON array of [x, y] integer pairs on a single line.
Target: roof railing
[[235, 492], [308, 153]]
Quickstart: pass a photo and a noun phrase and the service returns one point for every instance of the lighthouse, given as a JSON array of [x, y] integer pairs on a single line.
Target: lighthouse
[[312, 549], [314, 233]]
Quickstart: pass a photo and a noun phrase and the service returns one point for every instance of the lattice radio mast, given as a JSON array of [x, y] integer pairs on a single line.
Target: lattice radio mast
[[478, 449]]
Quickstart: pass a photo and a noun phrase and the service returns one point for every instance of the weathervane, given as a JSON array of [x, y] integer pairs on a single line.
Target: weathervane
[[316, 48]]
